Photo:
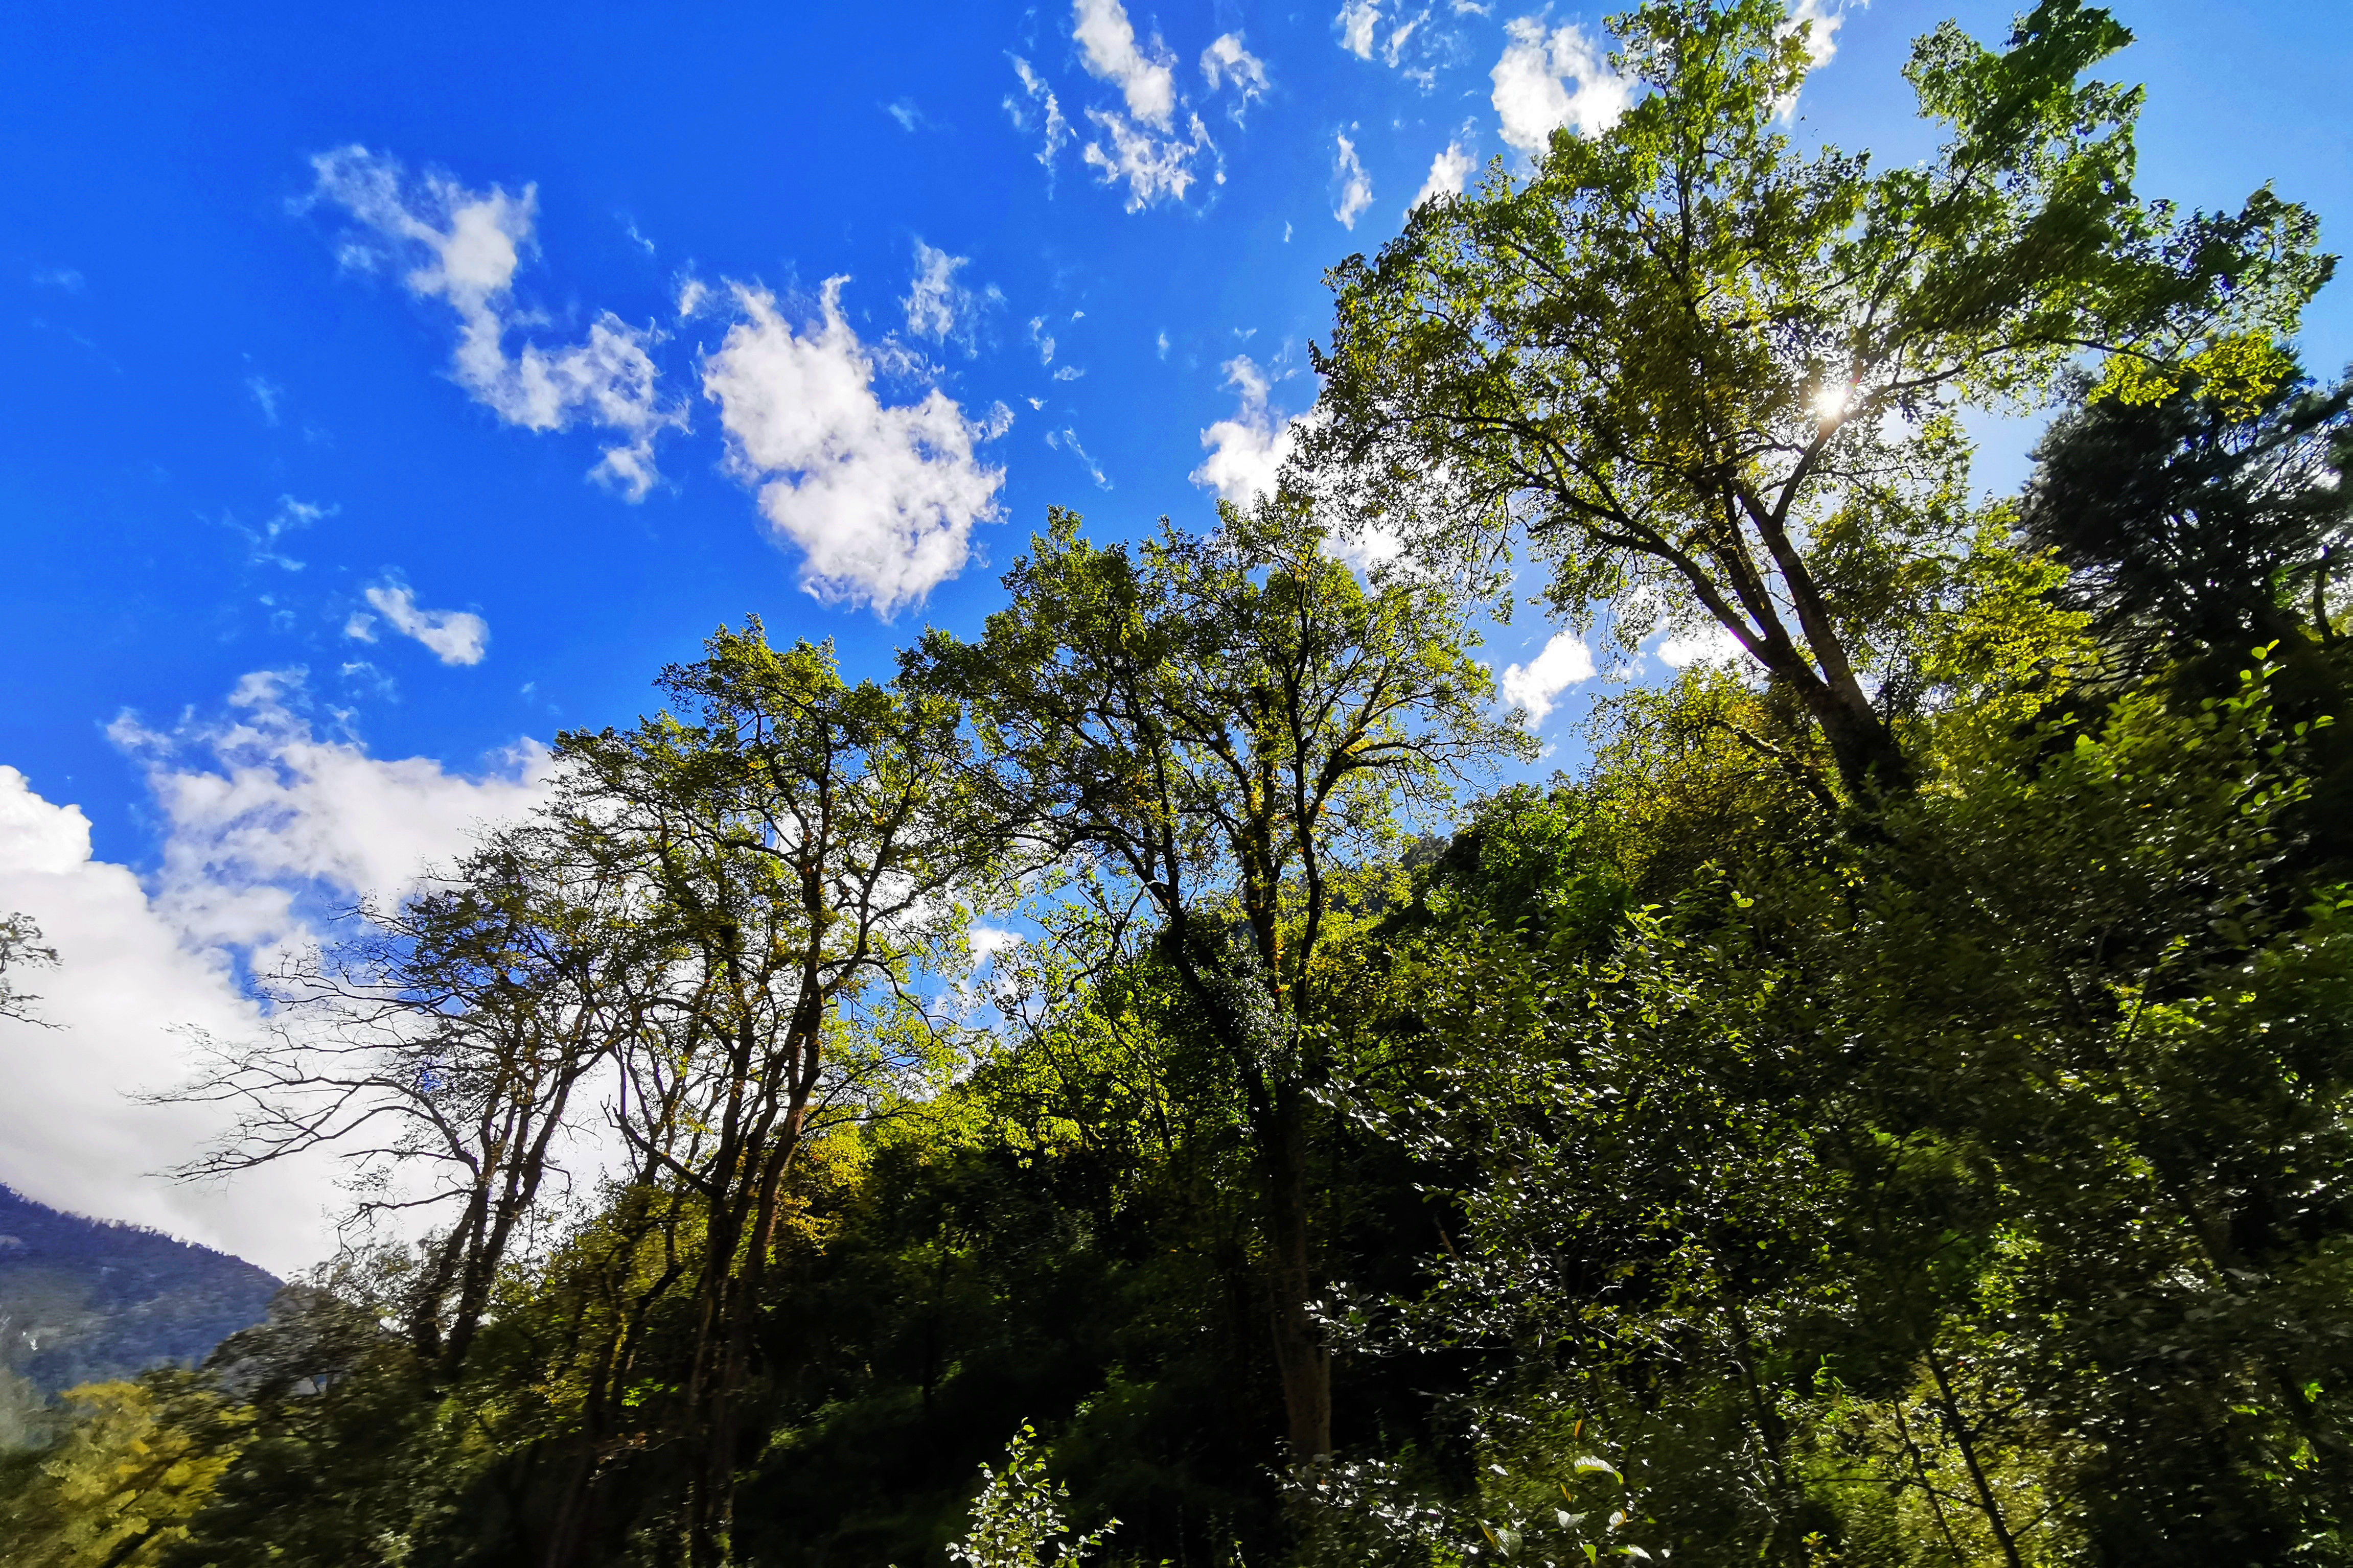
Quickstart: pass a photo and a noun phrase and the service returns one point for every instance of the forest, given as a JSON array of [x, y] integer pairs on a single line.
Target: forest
[[1140, 1087]]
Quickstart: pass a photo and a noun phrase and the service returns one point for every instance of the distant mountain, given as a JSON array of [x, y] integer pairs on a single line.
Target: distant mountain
[[84, 1300]]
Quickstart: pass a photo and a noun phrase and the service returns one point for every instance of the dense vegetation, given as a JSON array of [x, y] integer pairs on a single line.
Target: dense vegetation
[[1891, 1107]]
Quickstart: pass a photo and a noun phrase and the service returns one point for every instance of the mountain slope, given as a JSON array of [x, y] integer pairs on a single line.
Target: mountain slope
[[84, 1301]]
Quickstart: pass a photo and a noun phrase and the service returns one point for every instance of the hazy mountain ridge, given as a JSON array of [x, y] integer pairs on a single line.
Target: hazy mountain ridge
[[84, 1300]]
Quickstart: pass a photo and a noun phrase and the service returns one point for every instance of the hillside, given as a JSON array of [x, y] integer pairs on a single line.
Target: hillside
[[84, 1301]]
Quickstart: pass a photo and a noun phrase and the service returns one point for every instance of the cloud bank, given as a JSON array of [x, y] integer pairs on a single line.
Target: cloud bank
[[265, 823]]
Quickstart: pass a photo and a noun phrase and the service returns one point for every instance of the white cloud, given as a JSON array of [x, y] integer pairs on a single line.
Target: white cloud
[[1225, 60], [881, 500], [70, 1134], [1534, 688], [1107, 44], [940, 307], [1531, 97], [267, 395], [1067, 440], [463, 248], [455, 637], [1356, 186], [1056, 128], [1360, 24], [1825, 17], [934, 294], [692, 294], [1710, 644], [265, 823], [1394, 51], [1157, 168], [1160, 343], [1821, 20], [1448, 171], [290, 516], [1247, 451], [260, 812]]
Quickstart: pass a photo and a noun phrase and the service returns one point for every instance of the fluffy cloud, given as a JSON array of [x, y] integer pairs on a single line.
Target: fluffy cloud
[[455, 637], [1448, 171], [1156, 168], [1224, 62], [463, 248], [70, 1134], [1107, 41], [1821, 19], [1533, 96], [261, 812], [1042, 98], [1356, 187], [880, 500], [1357, 21], [264, 821], [1247, 451], [1534, 687]]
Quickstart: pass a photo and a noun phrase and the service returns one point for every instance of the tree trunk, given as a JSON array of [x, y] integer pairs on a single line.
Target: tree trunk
[[1300, 1357], [1870, 762]]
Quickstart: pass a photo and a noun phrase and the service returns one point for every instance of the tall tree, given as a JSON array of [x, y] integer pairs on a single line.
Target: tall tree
[[797, 846], [1715, 379], [1221, 732], [439, 1047], [2200, 522]]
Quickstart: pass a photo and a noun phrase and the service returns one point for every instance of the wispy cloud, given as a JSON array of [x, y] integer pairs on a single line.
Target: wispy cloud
[[1352, 185], [938, 306], [454, 636], [1067, 440], [1226, 63], [292, 516], [464, 247], [266, 394], [1038, 98], [1156, 168]]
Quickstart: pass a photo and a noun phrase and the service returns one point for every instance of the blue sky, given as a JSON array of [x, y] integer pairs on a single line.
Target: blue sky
[[388, 391]]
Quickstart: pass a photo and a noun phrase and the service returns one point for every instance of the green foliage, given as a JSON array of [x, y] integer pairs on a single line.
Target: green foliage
[[1711, 380], [1894, 1108], [1019, 1514]]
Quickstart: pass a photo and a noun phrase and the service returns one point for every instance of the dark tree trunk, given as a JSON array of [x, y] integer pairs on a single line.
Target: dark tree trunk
[[1300, 1357]]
